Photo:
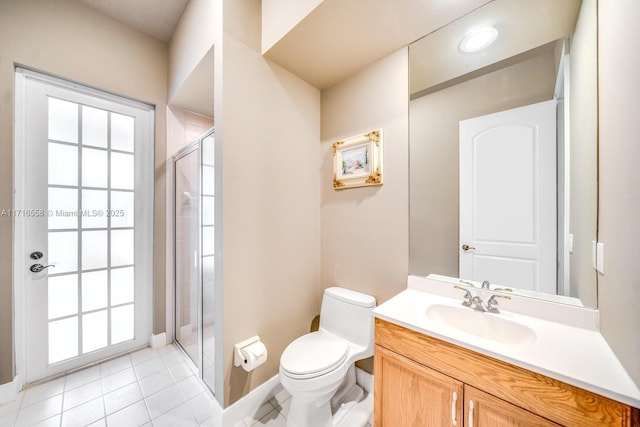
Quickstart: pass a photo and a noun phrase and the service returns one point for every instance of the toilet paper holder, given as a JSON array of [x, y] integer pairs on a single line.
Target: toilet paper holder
[[238, 357]]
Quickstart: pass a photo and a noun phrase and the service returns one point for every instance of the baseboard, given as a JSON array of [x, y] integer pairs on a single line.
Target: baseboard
[[10, 390], [250, 403], [158, 341]]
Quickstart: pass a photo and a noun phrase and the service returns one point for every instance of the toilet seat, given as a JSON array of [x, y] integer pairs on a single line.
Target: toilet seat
[[313, 355]]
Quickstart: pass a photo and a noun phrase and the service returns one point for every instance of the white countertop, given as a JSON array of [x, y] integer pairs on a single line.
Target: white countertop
[[576, 353]]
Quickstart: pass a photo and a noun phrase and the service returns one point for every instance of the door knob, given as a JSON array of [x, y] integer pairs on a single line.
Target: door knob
[[466, 247], [37, 268]]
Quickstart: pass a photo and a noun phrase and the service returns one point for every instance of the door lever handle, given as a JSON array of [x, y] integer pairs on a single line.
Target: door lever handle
[[37, 268], [466, 247]]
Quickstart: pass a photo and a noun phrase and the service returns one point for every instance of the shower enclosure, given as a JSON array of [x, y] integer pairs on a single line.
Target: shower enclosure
[[193, 220]]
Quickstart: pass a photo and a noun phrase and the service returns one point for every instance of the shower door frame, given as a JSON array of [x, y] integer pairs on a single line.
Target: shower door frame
[[182, 154], [196, 146]]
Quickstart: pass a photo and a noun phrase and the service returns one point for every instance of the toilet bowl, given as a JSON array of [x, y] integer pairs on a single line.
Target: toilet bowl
[[314, 366]]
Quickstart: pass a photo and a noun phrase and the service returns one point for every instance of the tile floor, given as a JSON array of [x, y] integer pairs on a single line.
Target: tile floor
[[147, 388]]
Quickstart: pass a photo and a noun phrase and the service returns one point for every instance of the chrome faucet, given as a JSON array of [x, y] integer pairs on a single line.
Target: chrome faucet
[[493, 302], [477, 303], [485, 284]]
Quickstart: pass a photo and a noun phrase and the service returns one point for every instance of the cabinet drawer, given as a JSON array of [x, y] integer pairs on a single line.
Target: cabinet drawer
[[552, 399]]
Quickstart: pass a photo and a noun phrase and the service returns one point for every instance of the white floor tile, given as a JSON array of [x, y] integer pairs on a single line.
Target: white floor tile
[[164, 401], [40, 411], [190, 387], [148, 367], [12, 406], [143, 355], [272, 419], [181, 371], [122, 397], [251, 419], [49, 422], [119, 379], [201, 406], [43, 391], [100, 423], [115, 365], [84, 414], [8, 418], [211, 423], [82, 377], [132, 416], [82, 394], [171, 355], [156, 382], [180, 416]]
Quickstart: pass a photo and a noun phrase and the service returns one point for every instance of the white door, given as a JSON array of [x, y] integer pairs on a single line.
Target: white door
[[84, 182], [508, 197]]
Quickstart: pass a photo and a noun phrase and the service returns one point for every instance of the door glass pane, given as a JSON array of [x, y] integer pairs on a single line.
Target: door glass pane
[[94, 206], [63, 120], [94, 168], [121, 285], [94, 127], [122, 171], [94, 331], [94, 249], [122, 324], [63, 251], [63, 164], [94, 290], [208, 180], [63, 204], [121, 247], [121, 132], [62, 296], [122, 209], [208, 213], [63, 339], [207, 240]]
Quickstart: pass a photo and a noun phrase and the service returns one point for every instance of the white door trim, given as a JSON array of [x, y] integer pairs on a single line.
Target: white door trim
[[20, 202]]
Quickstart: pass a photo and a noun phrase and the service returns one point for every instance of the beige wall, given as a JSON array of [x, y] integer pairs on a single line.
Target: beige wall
[[71, 41], [267, 135], [434, 157], [280, 16], [619, 175], [365, 230], [583, 119], [190, 42]]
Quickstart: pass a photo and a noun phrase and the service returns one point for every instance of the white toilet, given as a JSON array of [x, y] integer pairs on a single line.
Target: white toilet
[[315, 366]]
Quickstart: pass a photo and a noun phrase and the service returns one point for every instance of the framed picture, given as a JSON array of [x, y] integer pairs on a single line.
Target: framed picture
[[357, 161]]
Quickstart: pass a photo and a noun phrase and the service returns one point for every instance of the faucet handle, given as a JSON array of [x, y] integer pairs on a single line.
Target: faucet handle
[[493, 302], [468, 298]]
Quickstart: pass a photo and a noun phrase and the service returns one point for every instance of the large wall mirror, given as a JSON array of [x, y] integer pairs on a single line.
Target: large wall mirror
[[503, 149]]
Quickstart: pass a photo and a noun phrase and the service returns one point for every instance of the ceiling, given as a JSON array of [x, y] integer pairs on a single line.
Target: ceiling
[[156, 18]]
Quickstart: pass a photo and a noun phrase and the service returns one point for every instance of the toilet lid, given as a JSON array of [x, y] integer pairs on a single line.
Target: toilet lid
[[314, 353]]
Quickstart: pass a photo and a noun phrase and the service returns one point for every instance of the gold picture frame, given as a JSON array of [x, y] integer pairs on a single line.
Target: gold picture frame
[[357, 161]]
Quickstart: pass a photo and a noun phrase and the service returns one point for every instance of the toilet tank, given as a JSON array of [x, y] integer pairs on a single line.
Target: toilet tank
[[347, 314]]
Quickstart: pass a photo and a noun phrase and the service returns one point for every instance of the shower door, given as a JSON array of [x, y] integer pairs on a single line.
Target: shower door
[[194, 257]]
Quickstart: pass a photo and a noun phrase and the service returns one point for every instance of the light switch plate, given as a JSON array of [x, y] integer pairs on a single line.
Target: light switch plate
[[600, 258]]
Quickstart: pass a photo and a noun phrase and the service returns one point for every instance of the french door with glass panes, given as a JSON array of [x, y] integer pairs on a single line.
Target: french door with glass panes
[[84, 164]]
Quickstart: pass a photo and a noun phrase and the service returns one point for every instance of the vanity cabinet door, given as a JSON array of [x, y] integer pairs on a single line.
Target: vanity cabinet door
[[408, 394], [484, 410]]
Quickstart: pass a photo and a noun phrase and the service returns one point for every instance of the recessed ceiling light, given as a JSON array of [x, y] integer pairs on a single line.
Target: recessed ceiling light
[[478, 39]]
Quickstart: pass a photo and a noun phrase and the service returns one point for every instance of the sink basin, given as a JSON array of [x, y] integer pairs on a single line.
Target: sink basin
[[485, 325]]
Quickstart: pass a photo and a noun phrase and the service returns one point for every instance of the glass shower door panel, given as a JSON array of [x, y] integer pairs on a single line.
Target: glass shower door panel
[[187, 250]]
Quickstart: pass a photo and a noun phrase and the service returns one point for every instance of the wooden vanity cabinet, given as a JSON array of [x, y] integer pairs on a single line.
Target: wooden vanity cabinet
[[421, 381]]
